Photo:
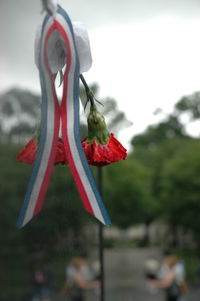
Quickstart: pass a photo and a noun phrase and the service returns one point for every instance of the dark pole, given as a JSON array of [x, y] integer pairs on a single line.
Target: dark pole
[[101, 242], [90, 98]]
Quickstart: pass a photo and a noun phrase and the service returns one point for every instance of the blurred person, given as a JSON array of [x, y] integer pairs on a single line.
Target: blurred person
[[42, 284], [169, 278], [79, 278], [180, 273]]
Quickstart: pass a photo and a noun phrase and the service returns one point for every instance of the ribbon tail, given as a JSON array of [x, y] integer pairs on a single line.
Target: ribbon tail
[[70, 125], [50, 123]]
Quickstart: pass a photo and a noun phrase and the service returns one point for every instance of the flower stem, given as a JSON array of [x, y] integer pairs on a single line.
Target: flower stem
[[88, 92]]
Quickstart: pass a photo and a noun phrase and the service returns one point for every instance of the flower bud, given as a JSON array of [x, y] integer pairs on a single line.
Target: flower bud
[[97, 129], [101, 148]]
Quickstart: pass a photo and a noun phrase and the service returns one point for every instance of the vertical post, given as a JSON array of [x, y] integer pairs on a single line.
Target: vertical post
[[101, 242]]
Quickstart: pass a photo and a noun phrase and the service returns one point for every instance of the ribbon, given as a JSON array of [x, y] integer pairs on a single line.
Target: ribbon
[[53, 114]]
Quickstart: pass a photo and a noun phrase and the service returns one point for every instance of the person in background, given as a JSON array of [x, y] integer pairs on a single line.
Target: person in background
[[42, 283], [79, 278], [169, 278]]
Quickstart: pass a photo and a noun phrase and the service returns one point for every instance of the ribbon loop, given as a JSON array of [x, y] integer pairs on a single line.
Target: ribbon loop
[[54, 29]]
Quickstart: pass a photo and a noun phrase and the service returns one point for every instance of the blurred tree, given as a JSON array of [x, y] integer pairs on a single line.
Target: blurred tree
[[127, 187], [19, 111], [171, 156], [169, 128], [180, 186], [189, 104], [153, 147], [158, 143]]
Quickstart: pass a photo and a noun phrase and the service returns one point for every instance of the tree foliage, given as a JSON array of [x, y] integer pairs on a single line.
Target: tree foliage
[[180, 183], [19, 112], [172, 158], [189, 104], [128, 191]]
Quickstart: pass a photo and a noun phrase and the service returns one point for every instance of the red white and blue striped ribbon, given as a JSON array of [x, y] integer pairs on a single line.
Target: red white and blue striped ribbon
[[68, 114]]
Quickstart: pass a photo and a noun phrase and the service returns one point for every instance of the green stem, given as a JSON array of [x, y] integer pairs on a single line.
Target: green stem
[[87, 91]]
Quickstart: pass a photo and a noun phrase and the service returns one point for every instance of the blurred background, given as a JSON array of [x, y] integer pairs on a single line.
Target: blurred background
[[146, 73]]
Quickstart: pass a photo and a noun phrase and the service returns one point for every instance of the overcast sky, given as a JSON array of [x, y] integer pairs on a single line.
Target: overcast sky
[[146, 53]]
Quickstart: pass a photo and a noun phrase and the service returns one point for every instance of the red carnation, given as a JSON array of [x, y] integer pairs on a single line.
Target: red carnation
[[28, 153], [103, 154], [101, 148]]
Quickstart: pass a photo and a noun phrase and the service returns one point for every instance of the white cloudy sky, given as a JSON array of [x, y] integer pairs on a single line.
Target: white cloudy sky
[[146, 53]]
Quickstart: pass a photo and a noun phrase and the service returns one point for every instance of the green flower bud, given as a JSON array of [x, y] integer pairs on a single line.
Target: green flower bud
[[97, 129]]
